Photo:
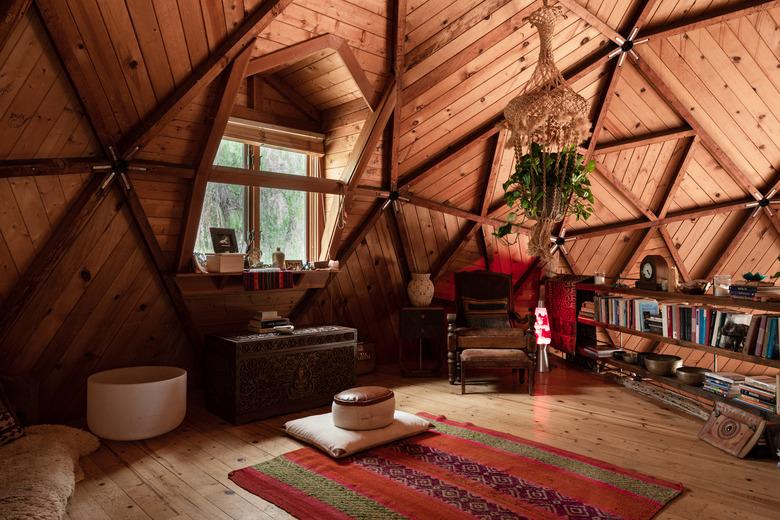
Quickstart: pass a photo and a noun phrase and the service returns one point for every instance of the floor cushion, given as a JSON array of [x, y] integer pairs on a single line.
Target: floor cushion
[[319, 431], [38, 472], [364, 408]]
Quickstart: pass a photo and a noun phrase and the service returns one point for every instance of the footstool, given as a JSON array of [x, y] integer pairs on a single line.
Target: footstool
[[515, 359], [363, 408]]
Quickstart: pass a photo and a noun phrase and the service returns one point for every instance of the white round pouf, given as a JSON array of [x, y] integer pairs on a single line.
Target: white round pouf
[[363, 408], [128, 404]]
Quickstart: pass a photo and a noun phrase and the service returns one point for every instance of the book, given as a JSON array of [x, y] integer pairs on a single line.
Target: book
[[767, 383], [733, 330]]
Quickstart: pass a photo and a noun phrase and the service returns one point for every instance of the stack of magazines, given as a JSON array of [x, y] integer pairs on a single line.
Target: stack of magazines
[[599, 351]]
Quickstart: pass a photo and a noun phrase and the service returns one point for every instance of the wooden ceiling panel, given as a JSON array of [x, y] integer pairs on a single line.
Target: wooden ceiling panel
[[735, 131], [39, 114], [456, 109], [705, 183], [757, 252]]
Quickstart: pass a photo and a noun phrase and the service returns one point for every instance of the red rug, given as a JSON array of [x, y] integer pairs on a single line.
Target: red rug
[[457, 471]]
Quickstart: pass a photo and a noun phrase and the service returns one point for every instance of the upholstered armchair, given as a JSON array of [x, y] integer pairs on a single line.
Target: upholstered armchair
[[485, 319]]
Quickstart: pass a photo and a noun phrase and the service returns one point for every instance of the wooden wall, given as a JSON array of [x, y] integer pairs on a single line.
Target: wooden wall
[[102, 305]]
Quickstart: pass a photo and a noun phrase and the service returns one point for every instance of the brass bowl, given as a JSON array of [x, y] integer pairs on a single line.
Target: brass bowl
[[626, 356], [662, 364], [693, 376]]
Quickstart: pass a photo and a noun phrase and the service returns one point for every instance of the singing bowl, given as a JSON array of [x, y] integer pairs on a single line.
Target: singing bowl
[[626, 356], [693, 376], [662, 364]]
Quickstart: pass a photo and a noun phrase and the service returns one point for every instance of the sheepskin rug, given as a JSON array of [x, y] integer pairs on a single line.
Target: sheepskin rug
[[38, 472]]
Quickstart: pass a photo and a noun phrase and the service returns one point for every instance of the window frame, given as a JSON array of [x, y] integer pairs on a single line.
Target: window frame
[[314, 218]]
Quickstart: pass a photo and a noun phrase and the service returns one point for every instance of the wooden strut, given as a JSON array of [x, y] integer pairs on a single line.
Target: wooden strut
[[81, 211]]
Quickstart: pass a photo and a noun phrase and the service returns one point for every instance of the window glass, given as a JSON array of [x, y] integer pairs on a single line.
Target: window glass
[[224, 204], [283, 212]]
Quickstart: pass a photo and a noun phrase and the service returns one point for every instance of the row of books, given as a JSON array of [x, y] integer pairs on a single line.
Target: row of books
[[265, 321], [754, 334], [758, 392], [264, 279]]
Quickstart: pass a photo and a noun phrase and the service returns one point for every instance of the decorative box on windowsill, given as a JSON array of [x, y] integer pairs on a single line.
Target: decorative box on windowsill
[[225, 262]]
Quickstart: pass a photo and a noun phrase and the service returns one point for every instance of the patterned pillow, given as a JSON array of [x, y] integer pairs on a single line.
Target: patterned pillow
[[10, 428]]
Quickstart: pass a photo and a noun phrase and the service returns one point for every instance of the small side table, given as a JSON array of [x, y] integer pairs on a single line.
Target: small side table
[[425, 327]]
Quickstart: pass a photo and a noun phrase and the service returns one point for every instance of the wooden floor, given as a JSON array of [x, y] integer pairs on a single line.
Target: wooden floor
[[183, 474]]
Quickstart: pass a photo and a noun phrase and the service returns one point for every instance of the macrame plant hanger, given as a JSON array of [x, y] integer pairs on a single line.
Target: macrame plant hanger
[[547, 118]]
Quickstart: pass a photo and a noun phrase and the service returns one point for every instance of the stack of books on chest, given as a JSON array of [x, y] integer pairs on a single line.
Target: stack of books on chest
[[724, 384], [759, 392], [265, 321]]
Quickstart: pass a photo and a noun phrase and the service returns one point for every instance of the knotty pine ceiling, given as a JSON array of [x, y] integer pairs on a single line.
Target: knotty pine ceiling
[[462, 61]]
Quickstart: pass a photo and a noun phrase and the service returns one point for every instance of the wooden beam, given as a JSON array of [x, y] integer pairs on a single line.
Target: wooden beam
[[693, 213], [399, 39], [643, 140], [266, 118], [736, 241], [45, 261], [158, 259], [226, 99], [37, 167], [277, 60], [202, 75], [482, 244], [282, 181], [592, 20], [684, 111], [293, 97], [286, 56], [457, 212], [359, 158], [678, 177], [495, 166], [616, 183], [400, 238], [456, 244], [678, 261], [527, 274], [11, 11], [709, 17], [634, 257], [603, 108], [451, 153]]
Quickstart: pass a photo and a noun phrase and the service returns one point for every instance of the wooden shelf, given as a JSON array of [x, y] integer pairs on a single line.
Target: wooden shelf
[[675, 383], [700, 299], [202, 284], [681, 343]]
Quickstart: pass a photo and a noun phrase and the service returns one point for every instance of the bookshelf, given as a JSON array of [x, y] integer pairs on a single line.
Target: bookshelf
[[700, 299], [775, 363], [675, 383]]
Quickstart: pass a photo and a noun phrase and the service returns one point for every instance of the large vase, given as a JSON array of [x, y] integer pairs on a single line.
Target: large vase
[[420, 290]]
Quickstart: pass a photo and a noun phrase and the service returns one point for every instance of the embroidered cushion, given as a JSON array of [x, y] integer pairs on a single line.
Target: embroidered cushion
[[486, 313]]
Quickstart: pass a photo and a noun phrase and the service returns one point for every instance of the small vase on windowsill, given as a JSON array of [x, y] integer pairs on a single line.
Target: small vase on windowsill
[[420, 289]]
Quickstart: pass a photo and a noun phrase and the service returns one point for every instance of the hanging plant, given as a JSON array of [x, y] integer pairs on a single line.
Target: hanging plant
[[545, 187]]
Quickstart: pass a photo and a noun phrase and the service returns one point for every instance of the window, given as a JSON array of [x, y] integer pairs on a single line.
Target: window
[[280, 216]]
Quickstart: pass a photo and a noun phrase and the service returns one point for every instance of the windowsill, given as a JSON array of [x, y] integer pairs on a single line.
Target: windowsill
[[203, 284]]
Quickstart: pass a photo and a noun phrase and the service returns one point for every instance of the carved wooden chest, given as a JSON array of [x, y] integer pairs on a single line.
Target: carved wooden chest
[[254, 376]]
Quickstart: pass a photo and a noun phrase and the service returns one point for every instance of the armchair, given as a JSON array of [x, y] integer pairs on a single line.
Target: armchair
[[485, 320]]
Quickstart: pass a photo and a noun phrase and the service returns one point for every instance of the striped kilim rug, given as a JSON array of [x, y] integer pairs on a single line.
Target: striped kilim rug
[[457, 471]]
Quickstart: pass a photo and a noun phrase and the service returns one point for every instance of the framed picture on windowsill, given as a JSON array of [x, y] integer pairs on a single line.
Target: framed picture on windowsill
[[224, 240], [294, 265]]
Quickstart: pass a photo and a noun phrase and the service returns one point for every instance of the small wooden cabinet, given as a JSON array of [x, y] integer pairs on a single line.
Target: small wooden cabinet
[[423, 337]]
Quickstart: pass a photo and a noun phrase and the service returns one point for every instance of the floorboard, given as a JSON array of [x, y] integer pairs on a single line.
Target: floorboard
[[183, 475]]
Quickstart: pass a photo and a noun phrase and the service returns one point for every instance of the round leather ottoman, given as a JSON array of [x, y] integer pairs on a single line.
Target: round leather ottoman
[[364, 408]]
